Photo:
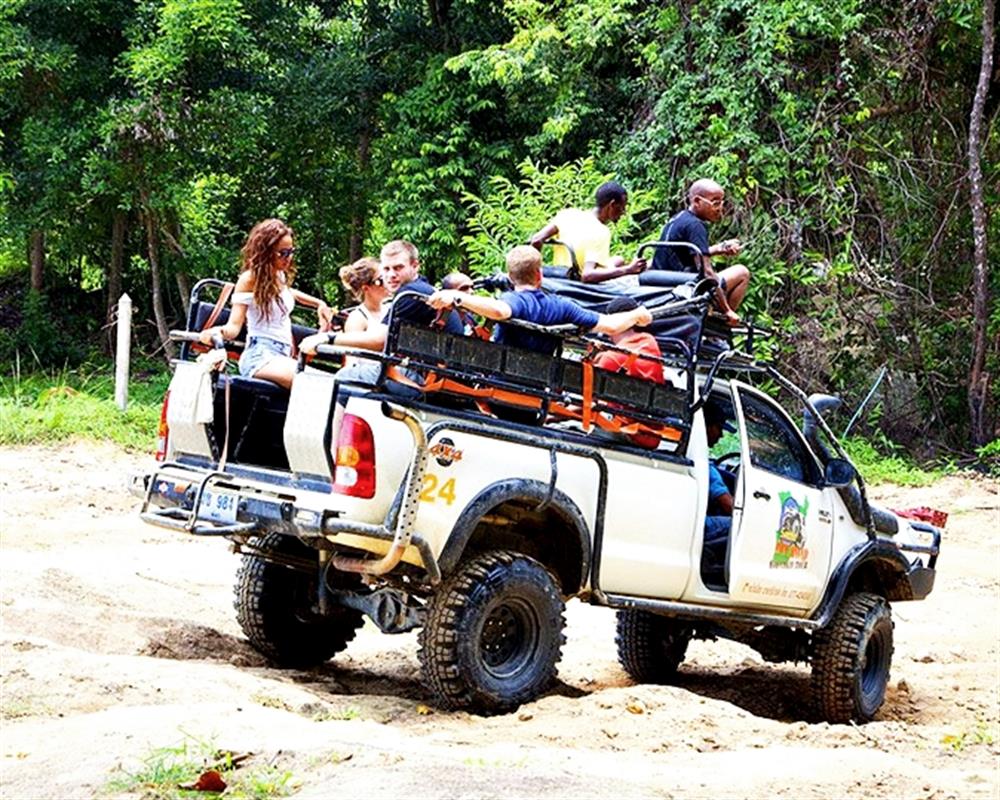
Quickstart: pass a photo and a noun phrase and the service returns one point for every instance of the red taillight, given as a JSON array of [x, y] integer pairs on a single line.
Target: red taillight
[[354, 458], [163, 432]]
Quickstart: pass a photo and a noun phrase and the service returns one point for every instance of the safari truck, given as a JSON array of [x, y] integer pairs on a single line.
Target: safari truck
[[475, 488]]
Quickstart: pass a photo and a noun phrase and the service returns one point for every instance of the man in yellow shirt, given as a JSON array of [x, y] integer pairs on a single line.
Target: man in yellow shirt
[[587, 233]]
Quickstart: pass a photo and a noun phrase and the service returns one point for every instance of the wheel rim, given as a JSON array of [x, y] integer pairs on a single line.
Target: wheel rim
[[873, 670], [509, 638]]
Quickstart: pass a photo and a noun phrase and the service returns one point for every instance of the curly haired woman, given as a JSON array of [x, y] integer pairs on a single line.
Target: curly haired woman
[[264, 299]]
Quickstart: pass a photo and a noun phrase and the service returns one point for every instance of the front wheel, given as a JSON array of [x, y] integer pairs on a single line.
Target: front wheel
[[493, 634], [851, 660]]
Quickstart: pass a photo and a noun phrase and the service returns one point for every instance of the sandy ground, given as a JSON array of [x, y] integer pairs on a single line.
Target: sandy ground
[[118, 638]]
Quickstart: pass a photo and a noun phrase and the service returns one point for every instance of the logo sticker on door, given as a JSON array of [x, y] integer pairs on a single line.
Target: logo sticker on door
[[790, 539]]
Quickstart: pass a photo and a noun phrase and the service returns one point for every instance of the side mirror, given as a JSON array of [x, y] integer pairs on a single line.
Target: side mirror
[[838, 473]]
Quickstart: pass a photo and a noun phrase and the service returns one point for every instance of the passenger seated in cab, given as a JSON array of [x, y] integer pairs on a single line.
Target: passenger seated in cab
[[705, 204], [587, 233], [719, 514], [529, 303], [263, 298]]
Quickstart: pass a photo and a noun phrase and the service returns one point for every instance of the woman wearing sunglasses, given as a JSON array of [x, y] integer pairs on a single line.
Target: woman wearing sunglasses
[[263, 298], [363, 279]]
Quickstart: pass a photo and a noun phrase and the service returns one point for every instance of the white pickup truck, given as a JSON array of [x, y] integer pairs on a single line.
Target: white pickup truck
[[433, 510]]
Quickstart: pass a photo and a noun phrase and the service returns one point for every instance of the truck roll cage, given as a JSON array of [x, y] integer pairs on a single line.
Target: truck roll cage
[[563, 386]]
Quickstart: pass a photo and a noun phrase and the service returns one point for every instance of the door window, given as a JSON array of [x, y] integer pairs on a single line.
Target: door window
[[774, 444]]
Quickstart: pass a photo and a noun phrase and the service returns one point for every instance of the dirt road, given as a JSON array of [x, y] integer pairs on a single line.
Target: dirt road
[[118, 639]]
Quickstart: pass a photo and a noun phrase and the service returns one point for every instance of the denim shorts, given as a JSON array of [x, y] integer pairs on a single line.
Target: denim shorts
[[259, 351]]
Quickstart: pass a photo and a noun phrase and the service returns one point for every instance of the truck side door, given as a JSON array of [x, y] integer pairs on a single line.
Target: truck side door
[[782, 534]]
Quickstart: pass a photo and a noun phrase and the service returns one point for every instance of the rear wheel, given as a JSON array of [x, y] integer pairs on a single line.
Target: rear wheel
[[493, 634], [276, 605], [650, 647], [851, 660]]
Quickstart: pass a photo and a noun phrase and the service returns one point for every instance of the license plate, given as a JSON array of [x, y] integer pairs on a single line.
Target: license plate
[[218, 506]]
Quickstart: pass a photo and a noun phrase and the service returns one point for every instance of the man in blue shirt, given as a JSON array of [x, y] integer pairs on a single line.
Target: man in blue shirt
[[529, 303], [705, 202], [719, 514]]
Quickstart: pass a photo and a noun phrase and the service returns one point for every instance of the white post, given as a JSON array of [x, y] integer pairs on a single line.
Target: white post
[[122, 351]]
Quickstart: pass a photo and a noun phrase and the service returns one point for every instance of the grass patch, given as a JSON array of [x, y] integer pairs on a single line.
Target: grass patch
[[989, 457], [39, 407], [164, 771], [339, 714], [876, 467], [19, 707], [978, 735]]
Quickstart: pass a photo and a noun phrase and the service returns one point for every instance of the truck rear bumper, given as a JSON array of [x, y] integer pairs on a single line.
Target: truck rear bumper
[[205, 502]]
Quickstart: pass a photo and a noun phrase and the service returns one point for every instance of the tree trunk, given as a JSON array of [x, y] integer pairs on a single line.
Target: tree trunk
[[36, 250], [184, 287], [359, 218], [119, 224], [154, 273], [979, 379]]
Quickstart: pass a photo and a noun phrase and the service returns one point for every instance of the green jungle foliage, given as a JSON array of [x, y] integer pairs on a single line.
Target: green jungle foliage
[[141, 139], [52, 405]]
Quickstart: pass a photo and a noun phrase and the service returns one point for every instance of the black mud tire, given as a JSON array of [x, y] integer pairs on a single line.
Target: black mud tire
[[493, 634], [851, 660], [275, 606], [650, 646]]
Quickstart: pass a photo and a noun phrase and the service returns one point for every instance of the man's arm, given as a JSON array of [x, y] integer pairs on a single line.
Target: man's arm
[[545, 233], [730, 247], [488, 307], [596, 273], [725, 504], [718, 492], [623, 320]]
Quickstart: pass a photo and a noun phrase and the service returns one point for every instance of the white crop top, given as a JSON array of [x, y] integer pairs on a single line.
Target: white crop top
[[377, 316], [278, 326]]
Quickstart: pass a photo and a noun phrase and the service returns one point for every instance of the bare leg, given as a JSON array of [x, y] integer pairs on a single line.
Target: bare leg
[[737, 282], [279, 370]]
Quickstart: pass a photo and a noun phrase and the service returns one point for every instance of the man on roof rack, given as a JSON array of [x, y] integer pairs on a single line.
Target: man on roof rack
[[705, 204], [587, 233], [529, 303]]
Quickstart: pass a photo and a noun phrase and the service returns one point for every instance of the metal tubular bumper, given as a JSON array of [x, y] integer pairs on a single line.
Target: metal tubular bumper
[[178, 519]]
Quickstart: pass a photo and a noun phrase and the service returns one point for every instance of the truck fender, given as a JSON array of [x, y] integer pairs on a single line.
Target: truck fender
[[896, 577], [538, 497]]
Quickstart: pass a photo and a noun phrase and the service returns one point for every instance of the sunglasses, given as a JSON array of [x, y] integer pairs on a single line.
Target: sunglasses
[[376, 282], [286, 253]]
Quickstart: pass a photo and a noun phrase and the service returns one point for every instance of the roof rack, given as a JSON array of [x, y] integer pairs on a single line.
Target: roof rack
[[563, 384]]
